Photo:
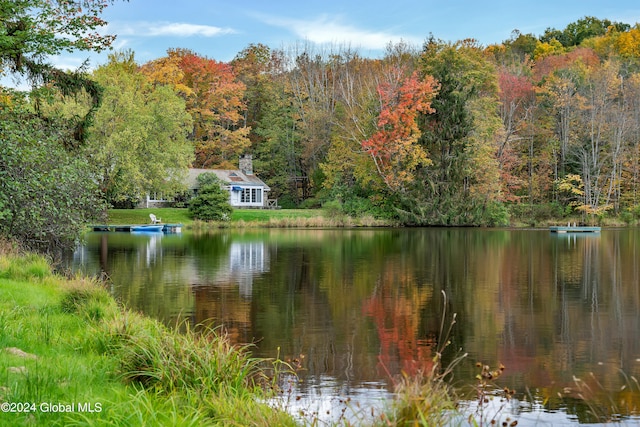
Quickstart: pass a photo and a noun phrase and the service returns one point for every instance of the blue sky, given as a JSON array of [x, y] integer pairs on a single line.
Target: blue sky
[[219, 29]]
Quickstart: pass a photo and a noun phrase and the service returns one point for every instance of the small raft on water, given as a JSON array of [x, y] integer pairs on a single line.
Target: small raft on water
[[573, 229], [166, 228], [149, 228]]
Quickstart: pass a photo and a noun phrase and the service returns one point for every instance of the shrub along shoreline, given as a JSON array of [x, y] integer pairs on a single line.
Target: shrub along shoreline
[[71, 355]]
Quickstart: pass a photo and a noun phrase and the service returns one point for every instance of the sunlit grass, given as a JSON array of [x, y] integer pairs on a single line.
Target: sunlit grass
[[30, 266], [67, 341], [141, 216]]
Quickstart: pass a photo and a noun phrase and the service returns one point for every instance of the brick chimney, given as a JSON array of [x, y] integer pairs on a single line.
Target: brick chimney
[[246, 164]]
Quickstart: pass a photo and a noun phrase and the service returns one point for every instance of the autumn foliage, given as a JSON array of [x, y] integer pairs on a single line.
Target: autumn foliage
[[393, 147], [447, 133], [215, 100]]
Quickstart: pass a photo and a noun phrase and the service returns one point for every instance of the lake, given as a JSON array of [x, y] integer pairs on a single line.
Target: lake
[[358, 307]]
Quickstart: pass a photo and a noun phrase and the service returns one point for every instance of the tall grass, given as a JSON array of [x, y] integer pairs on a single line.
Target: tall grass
[[162, 360], [66, 340], [430, 399], [139, 407], [604, 406], [31, 266], [293, 222]]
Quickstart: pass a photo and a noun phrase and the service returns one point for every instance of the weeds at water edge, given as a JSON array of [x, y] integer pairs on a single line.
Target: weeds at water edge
[[427, 398], [606, 406]]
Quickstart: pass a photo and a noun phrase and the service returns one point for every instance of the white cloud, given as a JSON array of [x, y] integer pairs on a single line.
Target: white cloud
[[67, 62], [323, 30], [120, 43], [174, 29], [187, 30]]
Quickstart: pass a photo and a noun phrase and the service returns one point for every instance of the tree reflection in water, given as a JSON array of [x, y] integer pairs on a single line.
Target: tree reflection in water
[[363, 306]]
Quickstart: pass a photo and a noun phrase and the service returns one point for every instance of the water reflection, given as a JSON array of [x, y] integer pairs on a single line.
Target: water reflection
[[363, 306]]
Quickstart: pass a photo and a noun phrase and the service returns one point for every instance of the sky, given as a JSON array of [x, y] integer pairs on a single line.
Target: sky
[[220, 29]]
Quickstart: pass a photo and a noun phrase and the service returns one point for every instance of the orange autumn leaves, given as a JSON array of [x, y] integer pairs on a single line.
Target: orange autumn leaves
[[214, 98], [394, 146]]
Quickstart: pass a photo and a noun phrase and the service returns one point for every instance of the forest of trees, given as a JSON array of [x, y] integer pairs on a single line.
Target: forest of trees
[[447, 133]]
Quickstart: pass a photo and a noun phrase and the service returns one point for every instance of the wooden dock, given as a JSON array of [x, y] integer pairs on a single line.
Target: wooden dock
[[126, 228], [573, 229]]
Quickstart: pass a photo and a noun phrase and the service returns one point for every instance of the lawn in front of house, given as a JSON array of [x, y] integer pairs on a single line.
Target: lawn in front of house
[[181, 215], [141, 216], [249, 215]]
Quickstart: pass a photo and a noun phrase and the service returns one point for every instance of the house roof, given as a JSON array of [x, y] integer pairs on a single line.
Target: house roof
[[228, 176]]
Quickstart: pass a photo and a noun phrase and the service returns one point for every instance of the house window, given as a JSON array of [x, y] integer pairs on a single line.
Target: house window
[[251, 195]]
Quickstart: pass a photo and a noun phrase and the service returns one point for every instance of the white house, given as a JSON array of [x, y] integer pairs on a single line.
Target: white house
[[245, 189]]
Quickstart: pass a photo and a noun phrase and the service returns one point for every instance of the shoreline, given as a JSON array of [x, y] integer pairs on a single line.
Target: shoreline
[[306, 218]]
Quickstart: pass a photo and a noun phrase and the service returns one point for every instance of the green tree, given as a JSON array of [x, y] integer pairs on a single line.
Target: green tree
[[252, 66], [46, 196], [269, 114], [138, 143], [212, 201], [33, 30], [521, 45], [278, 153], [461, 138], [576, 32]]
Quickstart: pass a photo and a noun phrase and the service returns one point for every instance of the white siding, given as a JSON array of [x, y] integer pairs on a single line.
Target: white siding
[[247, 196]]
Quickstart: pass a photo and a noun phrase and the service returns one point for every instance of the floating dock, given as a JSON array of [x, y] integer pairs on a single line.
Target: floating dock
[[127, 228], [573, 229]]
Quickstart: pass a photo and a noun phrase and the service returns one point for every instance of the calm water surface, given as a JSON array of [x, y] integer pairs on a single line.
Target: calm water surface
[[359, 307]]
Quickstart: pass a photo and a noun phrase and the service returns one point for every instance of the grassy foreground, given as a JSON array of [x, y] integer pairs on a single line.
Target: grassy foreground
[[70, 355]]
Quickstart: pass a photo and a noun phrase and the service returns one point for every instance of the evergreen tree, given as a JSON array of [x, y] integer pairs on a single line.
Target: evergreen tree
[[212, 201]]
